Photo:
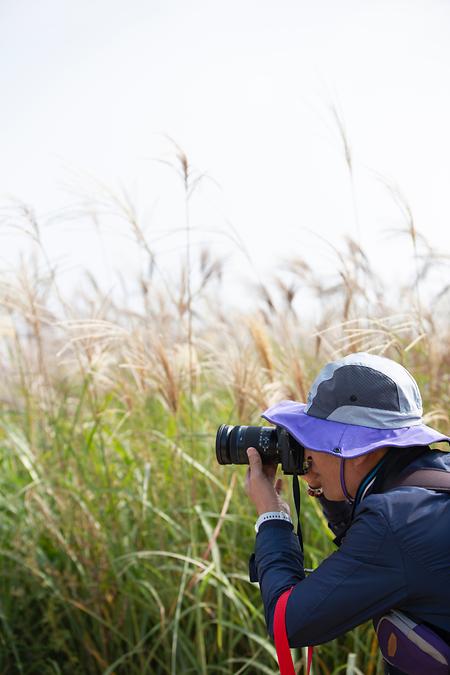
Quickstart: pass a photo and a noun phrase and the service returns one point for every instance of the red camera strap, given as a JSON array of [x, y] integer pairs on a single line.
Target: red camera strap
[[281, 640]]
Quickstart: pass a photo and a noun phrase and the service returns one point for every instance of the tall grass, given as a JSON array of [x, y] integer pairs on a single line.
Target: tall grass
[[123, 545]]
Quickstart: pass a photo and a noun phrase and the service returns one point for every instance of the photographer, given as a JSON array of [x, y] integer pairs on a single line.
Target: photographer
[[386, 495]]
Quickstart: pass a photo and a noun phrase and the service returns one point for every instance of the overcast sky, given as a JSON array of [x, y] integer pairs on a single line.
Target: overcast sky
[[247, 89]]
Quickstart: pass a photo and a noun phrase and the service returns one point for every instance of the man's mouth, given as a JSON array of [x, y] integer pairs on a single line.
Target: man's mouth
[[313, 480]]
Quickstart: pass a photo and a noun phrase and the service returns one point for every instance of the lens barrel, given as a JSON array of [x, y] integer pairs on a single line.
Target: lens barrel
[[232, 443]]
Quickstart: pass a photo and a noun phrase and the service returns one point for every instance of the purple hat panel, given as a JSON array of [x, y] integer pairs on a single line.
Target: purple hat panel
[[346, 440]]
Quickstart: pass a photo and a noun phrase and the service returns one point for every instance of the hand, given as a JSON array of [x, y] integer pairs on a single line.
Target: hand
[[261, 487]]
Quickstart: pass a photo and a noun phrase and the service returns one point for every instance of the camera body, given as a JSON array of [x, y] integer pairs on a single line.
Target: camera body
[[274, 444]]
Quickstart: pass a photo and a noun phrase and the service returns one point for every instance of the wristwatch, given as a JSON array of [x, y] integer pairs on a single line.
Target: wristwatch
[[272, 515]]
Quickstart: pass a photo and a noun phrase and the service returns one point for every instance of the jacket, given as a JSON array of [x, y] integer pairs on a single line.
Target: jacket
[[394, 553]]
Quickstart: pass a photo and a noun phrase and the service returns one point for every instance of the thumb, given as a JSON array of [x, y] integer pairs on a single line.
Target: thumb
[[254, 459]]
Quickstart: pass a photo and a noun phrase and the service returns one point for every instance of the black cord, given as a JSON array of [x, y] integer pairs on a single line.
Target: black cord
[[296, 491]]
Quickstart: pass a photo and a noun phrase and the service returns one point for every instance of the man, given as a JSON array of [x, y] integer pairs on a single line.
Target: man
[[363, 434]]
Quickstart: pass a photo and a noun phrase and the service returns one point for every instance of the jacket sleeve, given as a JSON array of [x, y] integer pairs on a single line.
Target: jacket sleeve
[[278, 562], [363, 579]]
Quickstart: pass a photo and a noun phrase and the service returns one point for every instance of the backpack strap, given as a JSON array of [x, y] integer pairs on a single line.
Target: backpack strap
[[281, 639], [432, 479]]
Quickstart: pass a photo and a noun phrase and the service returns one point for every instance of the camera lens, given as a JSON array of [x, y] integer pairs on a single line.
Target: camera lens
[[232, 443]]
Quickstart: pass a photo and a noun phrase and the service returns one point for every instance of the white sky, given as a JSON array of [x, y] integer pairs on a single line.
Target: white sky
[[245, 88]]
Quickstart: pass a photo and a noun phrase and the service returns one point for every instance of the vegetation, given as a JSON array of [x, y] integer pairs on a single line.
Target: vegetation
[[124, 546]]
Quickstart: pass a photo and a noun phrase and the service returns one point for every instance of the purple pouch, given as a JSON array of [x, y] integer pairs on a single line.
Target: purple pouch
[[412, 647]]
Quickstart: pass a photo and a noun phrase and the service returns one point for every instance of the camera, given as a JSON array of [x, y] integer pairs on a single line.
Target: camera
[[274, 444]]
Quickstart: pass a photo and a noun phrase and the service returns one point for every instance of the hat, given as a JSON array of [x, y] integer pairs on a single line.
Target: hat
[[356, 405]]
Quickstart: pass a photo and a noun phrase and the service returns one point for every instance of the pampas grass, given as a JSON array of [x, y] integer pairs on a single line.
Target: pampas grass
[[124, 544]]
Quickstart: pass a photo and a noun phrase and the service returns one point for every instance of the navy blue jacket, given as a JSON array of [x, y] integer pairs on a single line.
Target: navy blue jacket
[[394, 554]]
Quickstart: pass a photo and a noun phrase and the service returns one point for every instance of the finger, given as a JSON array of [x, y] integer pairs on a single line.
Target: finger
[[254, 460], [270, 471], [279, 486]]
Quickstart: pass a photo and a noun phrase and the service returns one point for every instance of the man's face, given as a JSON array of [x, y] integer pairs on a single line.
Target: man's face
[[324, 472]]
